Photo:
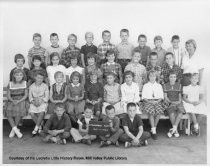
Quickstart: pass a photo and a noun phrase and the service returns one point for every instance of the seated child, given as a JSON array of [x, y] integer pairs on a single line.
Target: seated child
[[38, 98], [81, 134], [114, 126], [57, 128], [133, 126], [152, 95], [173, 101], [193, 102], [112, 94], [16, 108]]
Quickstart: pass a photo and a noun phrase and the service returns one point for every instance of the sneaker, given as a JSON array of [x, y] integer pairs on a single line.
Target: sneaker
[[117, 144], [176, 134], [34, 133], [53, 139], [154, 136], [145, 143], [18, 133], [12, 134], [170, 133], [197, 131], [40, 129], [103, 144], [128, 144], [64, 141], [86, 141]]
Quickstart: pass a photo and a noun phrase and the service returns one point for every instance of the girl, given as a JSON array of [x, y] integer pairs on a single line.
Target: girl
[[16, 94], [38, 98], [58, 92], [54, 66], [129, 91], [152, 95], [193, 101]]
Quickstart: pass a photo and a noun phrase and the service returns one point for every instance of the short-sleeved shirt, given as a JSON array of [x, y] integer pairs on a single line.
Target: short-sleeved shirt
[[103, 48], [37, 51], [76, 90], [161, 55], [50, 50], [94, 91], [133, 127], [130, 93], [172, 91], [85, 49], [26, 73], [124, 50], [112, 92], [145, 52], [17, 92], [193, 92], [152, 91]]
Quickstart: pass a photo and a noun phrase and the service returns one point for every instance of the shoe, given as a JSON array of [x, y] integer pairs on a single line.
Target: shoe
[[170, 133], [53, 139], [40, 129], [128, 144], [47, 138], [12, 134], [18, 133], [145, 143], [117, 144], [176, 134], [64, 141], [86, 141], [103, 144], [34, 133], [197, 131], [154, 136]]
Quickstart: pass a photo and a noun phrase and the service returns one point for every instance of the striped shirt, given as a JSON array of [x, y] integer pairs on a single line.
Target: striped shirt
[[36, 51]]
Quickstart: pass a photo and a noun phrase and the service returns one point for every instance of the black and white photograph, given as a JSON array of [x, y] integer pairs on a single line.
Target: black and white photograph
[[104, 82]]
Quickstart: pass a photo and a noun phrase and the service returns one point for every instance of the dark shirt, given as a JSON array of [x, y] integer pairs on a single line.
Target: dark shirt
[[26, 71], [85, 49], [115, 121], [61, 94], [93, 91], [172, 91], [145, 52]]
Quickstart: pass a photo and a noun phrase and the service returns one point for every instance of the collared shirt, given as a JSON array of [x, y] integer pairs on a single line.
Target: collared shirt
[[178, 54], [50, 50], [130, 93], [73, 85], [58, 124], [145, 52], [112, 92], [103, 48], [161, 55], [58, 91], [77, 90], [85, 49], [172, 91], [40, 92], [152, 91], [124, 50], [37, 51]]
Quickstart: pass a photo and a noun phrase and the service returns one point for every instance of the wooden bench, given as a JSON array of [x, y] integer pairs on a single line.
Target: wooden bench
[[185, 117]]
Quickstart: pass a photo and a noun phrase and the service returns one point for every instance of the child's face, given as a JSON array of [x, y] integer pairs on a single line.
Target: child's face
[[20, 63], [55, 60], [93, 78], [169, 60], [152, 77], [110, 79], [131, 112], [111, 58], [136, 57], [37, 41], [153, 60], [91, 61], [59, 78], [54, 40], [39, 79], [37, 63], [194, 80], [89, 38], [74, 62], [158, 43], [110, 113], [88, 113], [128, 79], [75, 80], [72, 41], [172, 78], [124, 36], [18, 77], [106, 37], [142, 42], [190, 48], [175, 43], [59, 111]]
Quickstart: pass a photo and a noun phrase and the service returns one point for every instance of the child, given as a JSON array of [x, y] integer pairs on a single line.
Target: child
[[55, 47], [57, 128], [193, 101], [115, 132], [104, 47], [37, 66], [76, 94], [129, 91], [20, 61], [38, 98], [54, 67], [173, 101], [133, 126], [74, 67], [88, 48], [81, 134], [70, 51], [144, 49], [92, 67], [36, 50], [124, 49], [94, 93], [158, 41], [112, 94], [152, 95], [111, 66], [168, 66], [16, 108], [176, 50], [58, 92], [140, 73]]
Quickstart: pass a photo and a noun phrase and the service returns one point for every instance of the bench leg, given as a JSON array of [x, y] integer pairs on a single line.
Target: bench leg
[[188, 127], [181, 124]]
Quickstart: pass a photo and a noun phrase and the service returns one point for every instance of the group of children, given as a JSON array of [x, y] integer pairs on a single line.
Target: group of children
[[102, 83]]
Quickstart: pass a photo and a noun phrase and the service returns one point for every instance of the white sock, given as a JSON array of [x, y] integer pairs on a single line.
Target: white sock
[[36, 128], [174, 128], [15, 128], [153, 129], [196, 126]]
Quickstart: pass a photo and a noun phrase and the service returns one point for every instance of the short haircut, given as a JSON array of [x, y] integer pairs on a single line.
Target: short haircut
[[128, 72], [110, 74], [53, 35], [36, 57], [136, 51], [72, 35], [89, 33], [91, 55], [39, 72], [60, 105], [158, 37], [125, 31], [93, 73], [110, 52], [168, 53], [131, 104], [89, 106], [175, 37], [74, 55], [76, 74], [52, 55], [191, 41], [18, 71], [36, 35], [105, 31], [57, 73], [19, 56], [153, 54], [142, 36], [109, 107], [172, 72], [152, 72]]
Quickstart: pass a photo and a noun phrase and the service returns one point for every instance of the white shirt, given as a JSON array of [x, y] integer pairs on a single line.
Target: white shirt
[[152, 91], [193, 92], [71, 69]]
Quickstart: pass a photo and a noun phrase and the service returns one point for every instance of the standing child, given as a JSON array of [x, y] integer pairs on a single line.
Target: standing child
[[115, 131], [55, 47], [152, 95], [88, 48], [193, 102], [133, 126], [140, 73], [111, 66], [38, 98], [81, 134], [173, 101], [36, 50], [17, 93], [129, 91], [70, 51], [57, 128], [124, 49]]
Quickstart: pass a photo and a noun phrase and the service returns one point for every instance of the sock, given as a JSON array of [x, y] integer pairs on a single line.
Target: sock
[[15, 128], [40, 127], [196, 126], [153, 130], [174, 128], [36, 128]]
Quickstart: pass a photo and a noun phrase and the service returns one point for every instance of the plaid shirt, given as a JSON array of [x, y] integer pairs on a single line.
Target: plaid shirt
[[166, 70], [103, 48], [67, 54]]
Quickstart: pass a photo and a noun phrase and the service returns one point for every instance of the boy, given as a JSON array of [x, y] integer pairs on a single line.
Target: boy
[[169, 66], [115, 132], [144, 49], [71, 50], [124, 49], [81, 134], [133, 126], [104, 47], [55, 47], [57, 128], [158, 41], [36, 49], [87, 48]]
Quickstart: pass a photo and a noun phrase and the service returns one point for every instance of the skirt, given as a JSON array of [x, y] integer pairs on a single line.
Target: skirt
[[198, 109], [41, 108], [18, 110], [153, 109], [173, 108]]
